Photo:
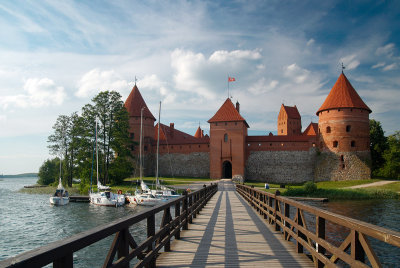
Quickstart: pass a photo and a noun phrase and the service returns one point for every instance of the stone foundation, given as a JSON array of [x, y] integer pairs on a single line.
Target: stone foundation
[[185, 165], [281, 166]]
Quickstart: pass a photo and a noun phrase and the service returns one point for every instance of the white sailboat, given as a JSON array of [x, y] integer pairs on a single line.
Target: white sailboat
[[143, 197], [104, 197], [60, 197]]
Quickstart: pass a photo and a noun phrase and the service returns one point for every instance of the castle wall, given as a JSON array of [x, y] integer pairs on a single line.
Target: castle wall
[[195, 164], [338, 166], [281, 166]]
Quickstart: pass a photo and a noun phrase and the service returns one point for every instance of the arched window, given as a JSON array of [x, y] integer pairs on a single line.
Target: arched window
[[353, 143], [328, 129], [226, 137], [348, 127], [335, 144]]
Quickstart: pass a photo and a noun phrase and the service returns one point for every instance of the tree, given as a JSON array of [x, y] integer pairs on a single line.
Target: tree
[[391, 156], [378, 146], [49, 172]]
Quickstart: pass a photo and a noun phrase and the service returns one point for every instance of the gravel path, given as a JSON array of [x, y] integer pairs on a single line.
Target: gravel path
[[378, 183]]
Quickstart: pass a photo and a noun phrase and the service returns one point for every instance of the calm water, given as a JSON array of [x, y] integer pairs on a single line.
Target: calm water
[[384, 213], [29, 221]]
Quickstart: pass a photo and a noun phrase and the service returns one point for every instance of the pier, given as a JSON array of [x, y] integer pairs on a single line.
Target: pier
[[226, 225]]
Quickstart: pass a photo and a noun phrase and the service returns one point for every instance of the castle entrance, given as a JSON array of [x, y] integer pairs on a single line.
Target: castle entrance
[[227, 170]]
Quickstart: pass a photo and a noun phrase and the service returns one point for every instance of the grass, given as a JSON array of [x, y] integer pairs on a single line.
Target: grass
[[74, 190], [343, 184], [395, 186]]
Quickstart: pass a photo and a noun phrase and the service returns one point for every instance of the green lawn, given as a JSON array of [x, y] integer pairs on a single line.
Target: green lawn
[[343, 184], [395, 186]]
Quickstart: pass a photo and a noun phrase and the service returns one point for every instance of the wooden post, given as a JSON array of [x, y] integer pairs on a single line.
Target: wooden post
[[151, 230], [185, 210], [190, 209], [196, 198], [320, 232], [299, 234], [266, 200], [357, 251], [65, 262], [287, 216], [277, 208], [177, 214], [123, 245], [167, 215], [269, 209]]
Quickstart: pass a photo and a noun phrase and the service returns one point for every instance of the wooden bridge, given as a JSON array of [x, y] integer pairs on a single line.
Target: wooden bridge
[[216, 226]]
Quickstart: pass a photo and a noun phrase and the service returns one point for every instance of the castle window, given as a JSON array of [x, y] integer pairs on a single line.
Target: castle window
[[328, 129], [353, 143], [281, 130], [199, 146], [145, 148], [259, 144], [281, 144], [216, 124], [270, 144], [226, 137], [226, 123], [338, 110], [313, 144], [335, 144], [248, 144], [348, 127], [208, 145], [342, 158]]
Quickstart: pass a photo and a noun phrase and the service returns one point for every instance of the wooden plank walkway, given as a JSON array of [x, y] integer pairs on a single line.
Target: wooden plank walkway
[[229, 233]]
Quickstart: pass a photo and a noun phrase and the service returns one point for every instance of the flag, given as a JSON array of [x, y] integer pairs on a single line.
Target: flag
[[231, 79]]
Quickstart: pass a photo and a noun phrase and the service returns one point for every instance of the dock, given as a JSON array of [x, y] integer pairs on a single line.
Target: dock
[[229, 233], [79, 198]]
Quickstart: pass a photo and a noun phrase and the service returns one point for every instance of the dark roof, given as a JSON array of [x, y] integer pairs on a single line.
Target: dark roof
[[227, 113], [343, 95], [170, 135], [292, 112], [134, 103]]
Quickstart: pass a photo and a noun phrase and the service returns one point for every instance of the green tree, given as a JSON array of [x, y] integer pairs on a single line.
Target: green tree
[[49, 171], [391, 167], [378, 146]]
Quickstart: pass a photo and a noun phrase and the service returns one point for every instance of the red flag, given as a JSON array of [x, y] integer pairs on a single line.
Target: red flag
[[231, 79]]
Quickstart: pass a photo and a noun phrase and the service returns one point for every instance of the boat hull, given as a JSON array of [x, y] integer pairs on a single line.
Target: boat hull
[[59, 201], [108, 200]]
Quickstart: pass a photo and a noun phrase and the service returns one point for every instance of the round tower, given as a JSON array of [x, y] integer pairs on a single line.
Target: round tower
[[343, 130]]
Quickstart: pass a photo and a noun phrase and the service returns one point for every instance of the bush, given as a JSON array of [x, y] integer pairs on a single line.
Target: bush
[[310, 187], [84, 188]]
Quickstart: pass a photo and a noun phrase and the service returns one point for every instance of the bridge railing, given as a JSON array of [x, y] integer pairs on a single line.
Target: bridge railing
[[124, 247], [307, 227]]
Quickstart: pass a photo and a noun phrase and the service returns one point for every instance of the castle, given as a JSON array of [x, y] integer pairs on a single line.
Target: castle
[[335, 148]]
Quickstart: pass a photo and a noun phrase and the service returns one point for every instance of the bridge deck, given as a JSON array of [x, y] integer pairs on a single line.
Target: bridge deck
[[228, 232]]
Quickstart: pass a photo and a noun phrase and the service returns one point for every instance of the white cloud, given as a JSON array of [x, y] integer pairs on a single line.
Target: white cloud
[[390, 67], [387, 50], [41, 92], [378, 65], [350, 62], [310, 42], [96, 81], [262, 86], [222, 56], [296, 73]]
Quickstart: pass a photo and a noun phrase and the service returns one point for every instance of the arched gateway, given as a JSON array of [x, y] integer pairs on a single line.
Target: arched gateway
[[227, 170]]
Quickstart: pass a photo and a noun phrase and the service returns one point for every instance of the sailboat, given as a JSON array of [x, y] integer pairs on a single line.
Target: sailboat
[[60, 197], [104, 197], [143, 197], [164, 192]]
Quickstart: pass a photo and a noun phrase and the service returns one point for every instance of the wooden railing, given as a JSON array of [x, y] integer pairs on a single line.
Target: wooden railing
[[60, 253], [307, 227]]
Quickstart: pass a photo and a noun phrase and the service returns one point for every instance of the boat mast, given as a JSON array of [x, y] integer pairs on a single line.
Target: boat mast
[[158, 144], [140, 143], [97, 158]]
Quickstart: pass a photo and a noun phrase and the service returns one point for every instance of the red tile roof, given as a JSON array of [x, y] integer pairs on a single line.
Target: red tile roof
[[227, 113], [170, 135], [134, 103], [199, 133], [292, 112], [311, 130], [343, 95]]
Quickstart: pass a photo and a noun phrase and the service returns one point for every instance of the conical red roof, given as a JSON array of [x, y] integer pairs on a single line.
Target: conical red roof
[[198, 133], [343, 95], [134, 103], [311, 130], [227, 112]]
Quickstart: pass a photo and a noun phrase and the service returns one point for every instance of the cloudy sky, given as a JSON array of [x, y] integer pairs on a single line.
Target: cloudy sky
[[55, 56]]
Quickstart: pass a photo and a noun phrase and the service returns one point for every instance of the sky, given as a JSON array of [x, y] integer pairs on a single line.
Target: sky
[[55, 56]]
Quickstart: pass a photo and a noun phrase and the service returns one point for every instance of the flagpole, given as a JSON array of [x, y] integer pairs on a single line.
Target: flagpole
[[228, 86]]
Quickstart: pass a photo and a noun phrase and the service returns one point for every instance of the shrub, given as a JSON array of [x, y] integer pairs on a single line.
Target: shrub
[[310, 187]]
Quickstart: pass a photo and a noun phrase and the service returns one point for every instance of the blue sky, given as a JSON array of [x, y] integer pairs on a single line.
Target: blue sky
[[57, 55]]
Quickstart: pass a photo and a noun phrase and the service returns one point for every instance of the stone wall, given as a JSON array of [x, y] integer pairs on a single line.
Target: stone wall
[[185, 165], [281, 166], [343, 166]]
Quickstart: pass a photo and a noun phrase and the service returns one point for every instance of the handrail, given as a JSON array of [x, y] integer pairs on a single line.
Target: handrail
[[60, 253], [276, 209]]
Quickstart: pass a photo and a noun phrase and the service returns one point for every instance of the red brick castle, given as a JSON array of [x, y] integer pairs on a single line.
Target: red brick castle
[[337, 148]]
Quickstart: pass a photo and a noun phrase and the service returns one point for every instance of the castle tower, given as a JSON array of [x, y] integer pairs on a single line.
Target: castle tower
[[228, 131], [289, 121], [344, 134], [134, 104]]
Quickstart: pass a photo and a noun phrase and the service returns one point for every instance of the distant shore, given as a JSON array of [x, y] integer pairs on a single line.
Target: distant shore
[[23, 175]]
